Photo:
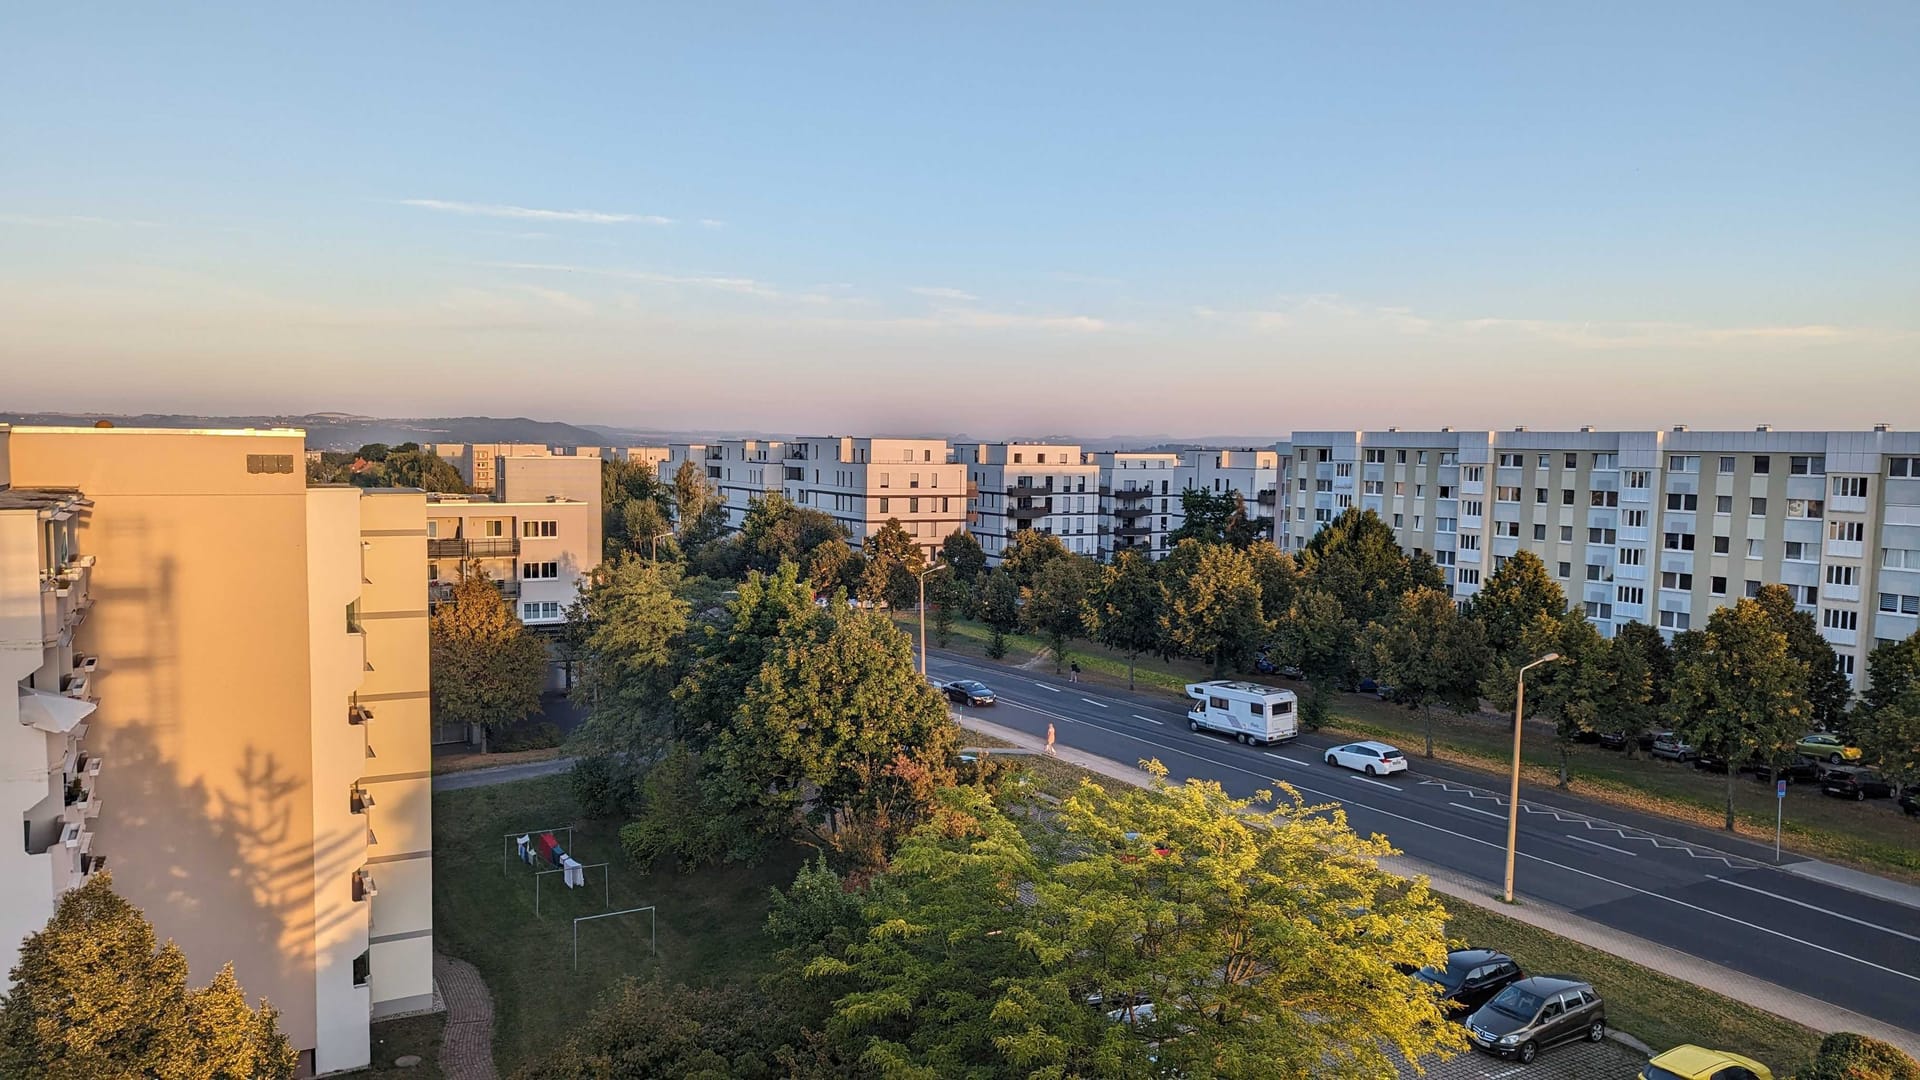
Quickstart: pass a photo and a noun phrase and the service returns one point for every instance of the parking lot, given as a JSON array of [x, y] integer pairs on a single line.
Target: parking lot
[[1575, 1061]]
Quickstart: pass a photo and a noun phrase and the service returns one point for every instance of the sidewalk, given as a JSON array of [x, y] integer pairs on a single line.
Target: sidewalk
[[1778, 1000], [1874, 885]]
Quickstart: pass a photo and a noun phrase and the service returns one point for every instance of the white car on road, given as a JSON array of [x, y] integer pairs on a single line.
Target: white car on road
[[1372, 758]]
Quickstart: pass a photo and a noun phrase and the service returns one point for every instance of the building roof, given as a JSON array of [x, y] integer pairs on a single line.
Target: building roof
[[41, 498]]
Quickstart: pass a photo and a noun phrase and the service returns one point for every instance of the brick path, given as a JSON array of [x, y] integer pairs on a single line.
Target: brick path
[[466, 1049]]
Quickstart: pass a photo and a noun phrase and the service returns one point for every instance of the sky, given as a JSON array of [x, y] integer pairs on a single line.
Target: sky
[[1018, 219]]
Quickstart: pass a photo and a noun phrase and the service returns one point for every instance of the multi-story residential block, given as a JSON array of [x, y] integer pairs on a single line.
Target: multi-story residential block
[[865, 482], [1140, 500], [742, 471], [1658, 527], [1049, 487], [536, 479], [536, 550], [679, 454], [475, 461], [649, 456], [262, 692], [1252, 474]]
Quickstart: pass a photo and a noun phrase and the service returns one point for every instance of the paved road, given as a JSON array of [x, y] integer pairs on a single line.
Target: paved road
[[503, 774], [1709, 896]]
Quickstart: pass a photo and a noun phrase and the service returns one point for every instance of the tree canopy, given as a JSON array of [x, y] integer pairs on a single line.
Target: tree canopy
[[1358, 560], [1429, 654], [1128, 609], [1216, 614], [1738, 690], [1511, 598], [487, 669]]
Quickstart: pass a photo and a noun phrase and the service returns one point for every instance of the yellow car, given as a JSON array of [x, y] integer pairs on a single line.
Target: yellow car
[[1821, 746], [1700, 1063]]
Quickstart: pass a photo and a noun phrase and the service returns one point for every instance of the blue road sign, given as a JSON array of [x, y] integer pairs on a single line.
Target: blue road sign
[[1780, 790]]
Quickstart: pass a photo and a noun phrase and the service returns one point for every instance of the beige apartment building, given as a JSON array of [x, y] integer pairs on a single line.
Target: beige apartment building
[[865, 482], [251, 740], [476, 461], [539, 536]]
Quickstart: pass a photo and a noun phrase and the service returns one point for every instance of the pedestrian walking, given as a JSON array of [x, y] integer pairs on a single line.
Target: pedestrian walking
[[1050, 737], [1073, 671]]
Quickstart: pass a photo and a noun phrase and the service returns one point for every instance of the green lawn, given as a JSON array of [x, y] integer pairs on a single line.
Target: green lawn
[[1659, 1010], [709, 922], [1874, 836], [417, 1035]]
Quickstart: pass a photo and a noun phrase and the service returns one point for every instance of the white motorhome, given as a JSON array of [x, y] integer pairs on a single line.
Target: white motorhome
[[1247, 711]]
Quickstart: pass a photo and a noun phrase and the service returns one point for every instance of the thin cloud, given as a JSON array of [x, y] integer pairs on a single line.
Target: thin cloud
[[712, 223], [743, 286], [527, 213], [938, 292], [67, 221]]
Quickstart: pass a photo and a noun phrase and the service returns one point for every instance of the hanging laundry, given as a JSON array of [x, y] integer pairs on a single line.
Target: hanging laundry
[[575, 876], [526, 849]]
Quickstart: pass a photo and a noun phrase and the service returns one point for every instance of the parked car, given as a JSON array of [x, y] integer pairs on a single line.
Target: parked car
[[1372, 758], [1711, 763], [1534, 1013], [1645, 739], [1613, 740], [1470, 978], [1856, 784], [1668, 745], [1910, 800], [1367, 686], [1827, 748], [1799, 769], [1383, 692], [968, 692], [1699, 1063], [1264, 664]]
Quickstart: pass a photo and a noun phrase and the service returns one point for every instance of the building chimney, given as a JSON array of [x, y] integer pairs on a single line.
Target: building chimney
[[1393, 429], [1763, 427]]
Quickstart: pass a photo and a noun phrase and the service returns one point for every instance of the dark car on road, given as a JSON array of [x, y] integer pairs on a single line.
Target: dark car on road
[[1532, 1014], [1855, 784], [968, 692], [1470, 978]]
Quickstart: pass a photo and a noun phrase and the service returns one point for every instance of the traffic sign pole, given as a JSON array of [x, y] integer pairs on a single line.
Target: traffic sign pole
[[1779, 804]]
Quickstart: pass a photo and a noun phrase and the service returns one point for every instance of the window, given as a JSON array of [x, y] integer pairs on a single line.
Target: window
[[1683, 463], [1540, 532], [886, 480], [1400, 456], [1813, 509], [536, 612], [1677, 541], [1722, 504], [1416, 523], [1566, 570], [1600, 536], [269, 463], [1473, 474], [1373, 487], [1511, 461], [1637, 478], [1376, 457], [1399, 487], [1566, 534], [362, 969], [1469, 576], [1471, 508], [1566, 496], [1397, 518], [1900, 603], [1323, 485], [1344, 468], [1571, 461], [1469, 542], [1604, 498], [1756, 548], [1682, 501], [1596, 571], [1849, 487], [1540, 496], [1446, 491], [1814, 465], [539, 528], [493, 527], [1900, 558], [1903, 466], [1758, 509], [1506, 494], [539, 571], [1507, 528], [1721, 545], [1753, 589], [1853, 531], [1630, 594], [1727, 464], [1843, 575], [1674, 620], [885, 503], [1633, 556], [1799, 552], [1420, 457], [1839, 619], [1674, 580], [1717, 586], [1443, 524], [1419, 491], [1762, 464], [1598, 610], [1634, 519]]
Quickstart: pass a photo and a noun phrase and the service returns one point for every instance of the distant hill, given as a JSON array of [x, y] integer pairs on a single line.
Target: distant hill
[[345, 431]]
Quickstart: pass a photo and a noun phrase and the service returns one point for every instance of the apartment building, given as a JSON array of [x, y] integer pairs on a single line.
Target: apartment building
[[864, 482], [245, 711], [1140, 500], [679, 454], [475, 461], [1048, 487], [537, 551], [1659, 527], [740, 472], [648, 456], [1252, 474]]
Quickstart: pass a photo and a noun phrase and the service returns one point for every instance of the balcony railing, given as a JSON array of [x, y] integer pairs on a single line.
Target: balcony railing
[[1133, 530], [1040, 491], [1029, 512], [1127, 494], [439, 592], [1132, 511], [1267, 497], [480, 547]]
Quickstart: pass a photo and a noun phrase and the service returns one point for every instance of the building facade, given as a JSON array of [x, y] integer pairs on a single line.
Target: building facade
[[1049, 487], [1140, 501], [1253, 475], [863, 483], [475, 461], [262, 695], [1659, 527]]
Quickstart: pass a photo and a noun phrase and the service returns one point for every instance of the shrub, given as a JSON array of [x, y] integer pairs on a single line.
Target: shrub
[[1846, 1056], [603, 786], [541, 736]]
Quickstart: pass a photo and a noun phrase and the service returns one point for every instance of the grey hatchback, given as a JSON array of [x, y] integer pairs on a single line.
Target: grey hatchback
[[1536, 1013]]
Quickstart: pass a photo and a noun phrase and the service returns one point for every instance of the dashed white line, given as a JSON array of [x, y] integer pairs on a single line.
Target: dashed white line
[[1609, 847], [1376, 783], [1289, 761], [1148, 719], [1477, 810], [1814, 907], [1049, 689], [1090, 701]]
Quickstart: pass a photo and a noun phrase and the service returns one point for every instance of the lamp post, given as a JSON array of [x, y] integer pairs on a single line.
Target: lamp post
[[1513, 795], [921, 579], [656, 538]]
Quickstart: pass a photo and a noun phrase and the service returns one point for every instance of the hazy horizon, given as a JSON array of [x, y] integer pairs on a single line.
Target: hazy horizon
[[996, 219]]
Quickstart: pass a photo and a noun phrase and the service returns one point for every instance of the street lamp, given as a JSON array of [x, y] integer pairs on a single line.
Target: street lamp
[[656, 538], [921, 579], [1513, 795]]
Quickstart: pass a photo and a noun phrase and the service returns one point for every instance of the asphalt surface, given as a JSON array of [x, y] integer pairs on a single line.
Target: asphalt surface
[[1712, 897]]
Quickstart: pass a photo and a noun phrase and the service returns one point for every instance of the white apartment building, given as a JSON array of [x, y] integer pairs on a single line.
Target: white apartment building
[[1140, 500], [740, 471], [1658, 527], [865, 482], [1049, 487], [475, 461], [536, 552], [649, 456], [1252, 474], [253, 675]]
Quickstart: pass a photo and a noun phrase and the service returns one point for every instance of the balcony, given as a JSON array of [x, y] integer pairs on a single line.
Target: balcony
[[482, 547], [440, 592], [1132, 511], [1267, 497], [1035, 491], [1028, 512], [1133, 530], [1127, 494]]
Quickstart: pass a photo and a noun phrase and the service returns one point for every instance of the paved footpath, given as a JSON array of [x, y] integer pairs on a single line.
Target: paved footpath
[[466, 1047], [1818, 1015], [501, 774]]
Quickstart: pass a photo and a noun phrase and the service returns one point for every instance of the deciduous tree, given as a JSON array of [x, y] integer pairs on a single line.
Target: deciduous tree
[[962, 552], [1358, 560], [93, 997], [1573, 691], [1429, 654], [1737, 690], [1511, 598], [1056, 607], [1826, 692], [487, 670], [1129, 609], [1217, 616], [1278, 574], [891, 559], [1322, 640], [1000, 609], [1030, 550], [632, 657]]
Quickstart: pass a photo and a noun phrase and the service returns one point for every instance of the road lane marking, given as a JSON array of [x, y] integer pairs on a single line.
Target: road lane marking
[[1477, 810], [1090, 701], [1609, 847], [1815, 907], [1049, 689], [1289, 760], [1376, 783], [1148, 719]]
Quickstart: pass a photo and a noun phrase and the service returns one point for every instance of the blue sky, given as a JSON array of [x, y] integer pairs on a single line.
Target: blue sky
[[1007, 219]]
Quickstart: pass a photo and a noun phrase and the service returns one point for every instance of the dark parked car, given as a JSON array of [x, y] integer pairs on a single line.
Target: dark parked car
[[1470, 978], [1263, 663], [1855, 784], [1710, 763], [968, 692], [1668, 745], [1645, 739], [1613, 740], [1800, 769], [1533, 1014], [1910, 800]]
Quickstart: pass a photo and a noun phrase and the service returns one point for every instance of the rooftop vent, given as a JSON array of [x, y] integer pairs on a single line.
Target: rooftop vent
[[1679, 427], [1393, 429], [1586, 427], [1520, 427], [1446, 429], [1882, 428], [1763, 427]]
